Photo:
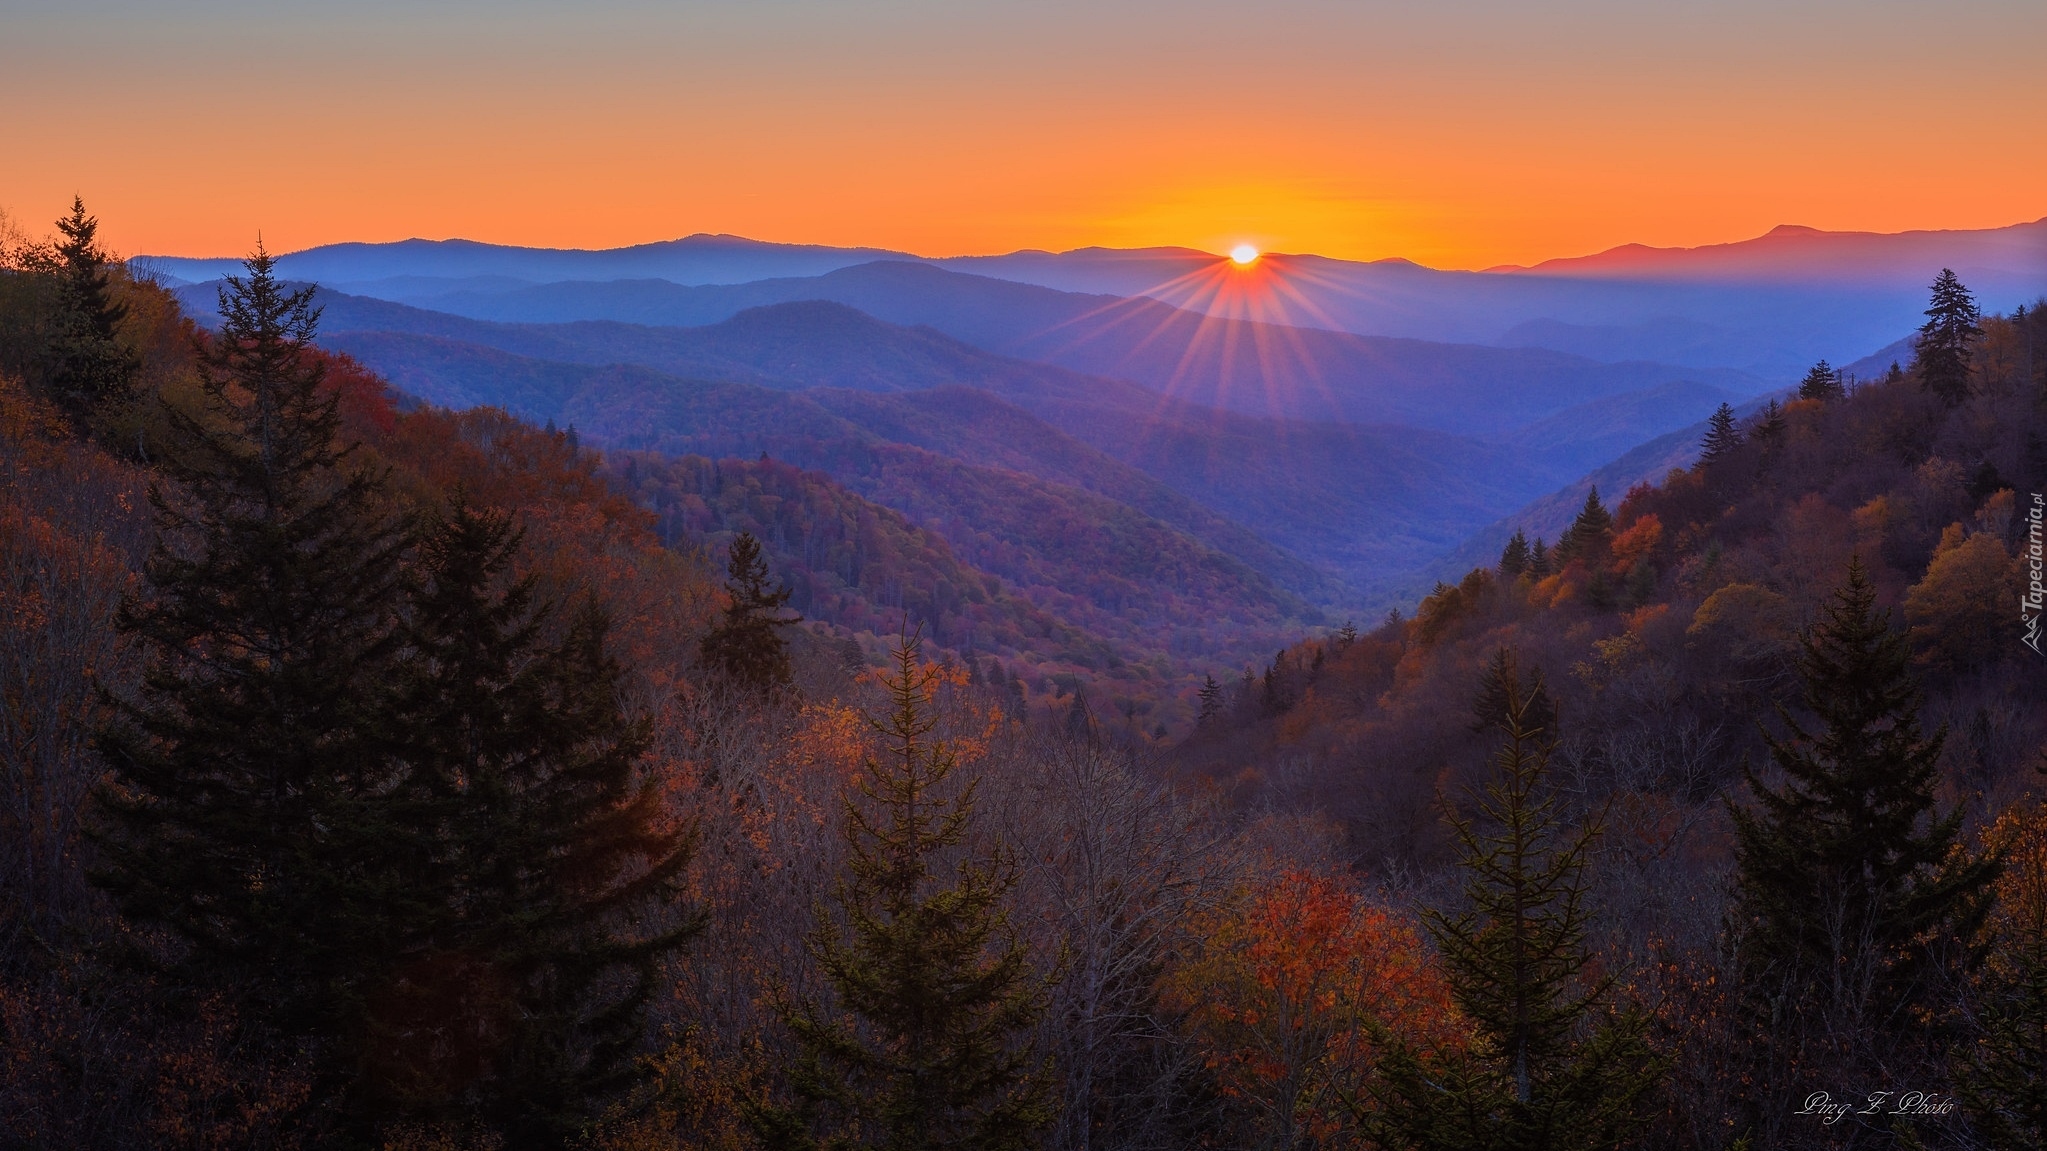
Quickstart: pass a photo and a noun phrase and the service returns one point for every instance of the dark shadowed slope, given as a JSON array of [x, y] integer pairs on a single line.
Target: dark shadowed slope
[[1362, 505], [1099, 566]]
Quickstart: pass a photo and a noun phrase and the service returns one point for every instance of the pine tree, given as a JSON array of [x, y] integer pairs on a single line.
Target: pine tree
[[1768, 435], [1642, 584], [1942, 353], [1347, 634], [1822, 382], [1211, 696], [1771, 425], [1846, 874], [247, 808], [1539, 559], [1551, 1063], [747, 644], [1492, 708], [553, 873], [90, 368], [934, 990], [1722, 437], [1514, 557], [1589, 534]]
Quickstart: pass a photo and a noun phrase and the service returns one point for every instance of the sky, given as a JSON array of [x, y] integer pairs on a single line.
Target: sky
[[1457, 133]]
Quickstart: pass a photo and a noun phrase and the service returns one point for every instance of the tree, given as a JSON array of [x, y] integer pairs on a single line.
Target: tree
[[933, 987], [553, 874], [1846, 876], [1722, 437], [2001, 1073], [1514, 557], [747, 644], [1942, 353], [1280, 994], [247, 807], [90, 367], [1211, 696], [1957, 611], [1493, 706], [1125, 859], [1539, 559], [1822, 382], [1588, 535], [1770, 425], [1550, 1063]]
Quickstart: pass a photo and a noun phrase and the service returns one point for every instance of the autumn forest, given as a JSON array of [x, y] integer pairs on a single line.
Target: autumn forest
[[389, 774]]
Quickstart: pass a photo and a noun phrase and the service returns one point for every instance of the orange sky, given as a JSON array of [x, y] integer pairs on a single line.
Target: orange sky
[[1472, 134]]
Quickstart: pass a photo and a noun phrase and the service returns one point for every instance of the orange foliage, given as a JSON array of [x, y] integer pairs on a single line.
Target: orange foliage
[[1285, 985], [1639, 542], [2017, 926], [1958, 611], [503, 462]]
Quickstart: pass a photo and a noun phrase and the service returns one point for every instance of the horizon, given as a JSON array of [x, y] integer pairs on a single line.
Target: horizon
[[1467, 136], [1219, 256]]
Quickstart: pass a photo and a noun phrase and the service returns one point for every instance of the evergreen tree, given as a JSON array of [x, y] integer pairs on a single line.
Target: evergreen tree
[[1551, 1062], [1722, 437], [1080, 718], [1539, 559], [553, 878], [1768, 435], [1847, 878], [248, 807], [1492, 708], [1822, 382], [1347, 634], [1211, 696], [747, 644], [1589, 534], [1514, 557], [1771, 425], [1942, 353], [1642, 583], [934, 990], [89, 367]]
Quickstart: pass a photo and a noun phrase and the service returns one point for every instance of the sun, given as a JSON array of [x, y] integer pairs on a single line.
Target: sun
[[1243, 254]]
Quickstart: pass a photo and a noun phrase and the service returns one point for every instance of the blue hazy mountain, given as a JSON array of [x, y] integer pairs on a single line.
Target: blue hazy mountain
[[1334, 512], [405, 265], [1260, 369], [1769, 306]]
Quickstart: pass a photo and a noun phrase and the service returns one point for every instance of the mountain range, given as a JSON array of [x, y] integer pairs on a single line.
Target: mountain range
[[1134, 455], [1769, 305], [1346, 477]]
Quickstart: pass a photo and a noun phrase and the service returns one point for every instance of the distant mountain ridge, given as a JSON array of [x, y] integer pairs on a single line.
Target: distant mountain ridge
[[696, 259], [1259, 369], [1355, 503], [1798, 254], [1769, 305]]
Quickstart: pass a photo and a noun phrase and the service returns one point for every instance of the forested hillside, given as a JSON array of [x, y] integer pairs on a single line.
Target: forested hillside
[[377, 774], [1719, 653], [1340, 513]]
